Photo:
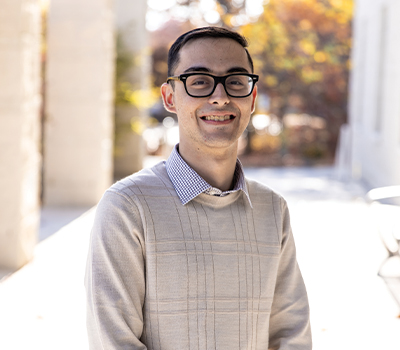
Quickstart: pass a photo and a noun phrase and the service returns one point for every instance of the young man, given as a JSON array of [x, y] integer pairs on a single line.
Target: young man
[[190, 254]]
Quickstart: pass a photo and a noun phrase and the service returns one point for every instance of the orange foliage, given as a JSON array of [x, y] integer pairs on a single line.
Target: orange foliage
[[302, 48]]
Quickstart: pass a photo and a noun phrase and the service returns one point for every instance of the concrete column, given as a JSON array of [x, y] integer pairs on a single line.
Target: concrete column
[[19, 130], [79, 100], [131, 118], [375, 90]]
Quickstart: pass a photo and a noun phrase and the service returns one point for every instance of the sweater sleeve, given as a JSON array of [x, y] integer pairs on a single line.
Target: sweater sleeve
[[115, 276], [290, 320]]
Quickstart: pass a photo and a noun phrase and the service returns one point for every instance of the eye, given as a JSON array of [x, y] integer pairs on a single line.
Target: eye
[[200, 81], [237, 82]]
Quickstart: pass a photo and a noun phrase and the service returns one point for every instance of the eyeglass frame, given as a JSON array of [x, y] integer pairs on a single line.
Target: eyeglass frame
[[217, 80]]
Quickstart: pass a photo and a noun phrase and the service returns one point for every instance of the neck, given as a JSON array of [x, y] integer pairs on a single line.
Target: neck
[[216, 166]]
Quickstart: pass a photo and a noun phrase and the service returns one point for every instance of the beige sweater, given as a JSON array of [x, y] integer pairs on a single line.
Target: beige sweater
[[212, 274]]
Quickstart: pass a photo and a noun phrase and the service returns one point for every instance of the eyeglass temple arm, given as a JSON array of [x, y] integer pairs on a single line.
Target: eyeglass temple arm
[[175, 77]]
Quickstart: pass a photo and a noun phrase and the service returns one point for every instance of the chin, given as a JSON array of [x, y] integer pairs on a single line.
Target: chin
[[221, 143]]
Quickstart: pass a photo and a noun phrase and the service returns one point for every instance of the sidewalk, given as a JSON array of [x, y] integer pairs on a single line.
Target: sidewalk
[[339, 253], [42, 306]]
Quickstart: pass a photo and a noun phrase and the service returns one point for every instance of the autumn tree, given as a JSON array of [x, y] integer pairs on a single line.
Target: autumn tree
[[301, 48], [301, 51]]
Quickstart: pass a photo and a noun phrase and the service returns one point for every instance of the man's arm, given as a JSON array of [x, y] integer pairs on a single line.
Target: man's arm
[[115, 276], [290, 320]]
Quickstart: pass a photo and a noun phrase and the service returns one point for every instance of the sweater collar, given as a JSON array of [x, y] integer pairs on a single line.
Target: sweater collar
[[189, 184]]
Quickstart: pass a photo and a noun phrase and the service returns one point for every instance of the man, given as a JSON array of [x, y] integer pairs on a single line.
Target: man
[[189, 254]]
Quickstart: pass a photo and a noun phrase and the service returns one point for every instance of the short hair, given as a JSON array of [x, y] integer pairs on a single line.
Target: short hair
[[204, 32]]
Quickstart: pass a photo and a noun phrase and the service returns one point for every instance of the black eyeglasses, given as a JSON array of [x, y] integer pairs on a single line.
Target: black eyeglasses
[[203, 84]]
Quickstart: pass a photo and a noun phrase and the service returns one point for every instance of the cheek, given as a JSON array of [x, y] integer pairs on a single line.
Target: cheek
[[248, 110], [186, 110], [186, 115]]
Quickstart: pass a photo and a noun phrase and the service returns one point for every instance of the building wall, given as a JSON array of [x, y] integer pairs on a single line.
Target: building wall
[[375, 93], [79, 101], [19, 130], [78, 138]]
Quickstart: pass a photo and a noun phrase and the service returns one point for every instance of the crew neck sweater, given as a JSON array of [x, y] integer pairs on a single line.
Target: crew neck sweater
[[214, 273]]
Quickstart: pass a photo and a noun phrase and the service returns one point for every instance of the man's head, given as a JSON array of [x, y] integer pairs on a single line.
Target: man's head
[[199, 33], [214, 92]]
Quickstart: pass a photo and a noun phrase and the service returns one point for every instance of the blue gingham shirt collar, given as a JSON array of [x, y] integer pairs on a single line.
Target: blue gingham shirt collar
[[188, 184]]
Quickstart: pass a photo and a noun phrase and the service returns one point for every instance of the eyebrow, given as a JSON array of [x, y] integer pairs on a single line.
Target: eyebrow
[[207, 70]]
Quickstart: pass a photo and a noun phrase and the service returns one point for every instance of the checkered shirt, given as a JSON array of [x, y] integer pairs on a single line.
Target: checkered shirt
[[188, 184]]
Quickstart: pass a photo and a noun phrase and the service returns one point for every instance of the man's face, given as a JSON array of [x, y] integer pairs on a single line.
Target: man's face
[[199, 118]]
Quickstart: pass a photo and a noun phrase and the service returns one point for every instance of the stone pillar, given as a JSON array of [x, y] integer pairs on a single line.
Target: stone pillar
[[19, 130], [374, 109], [79, 99], [130, 119]]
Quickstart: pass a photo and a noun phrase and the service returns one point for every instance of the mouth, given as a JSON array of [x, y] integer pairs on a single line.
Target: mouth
[[218, 118]]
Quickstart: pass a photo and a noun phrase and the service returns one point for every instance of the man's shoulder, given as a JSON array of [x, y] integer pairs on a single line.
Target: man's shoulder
[[259, 190], [147, 180]]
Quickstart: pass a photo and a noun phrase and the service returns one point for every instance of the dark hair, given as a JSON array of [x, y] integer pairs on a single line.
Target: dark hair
[[204, 32]]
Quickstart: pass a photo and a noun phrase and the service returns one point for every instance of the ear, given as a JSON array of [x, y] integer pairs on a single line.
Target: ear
[[167, 94], [253, 96]]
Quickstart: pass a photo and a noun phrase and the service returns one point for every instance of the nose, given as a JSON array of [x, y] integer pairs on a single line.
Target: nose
[[219, 96]]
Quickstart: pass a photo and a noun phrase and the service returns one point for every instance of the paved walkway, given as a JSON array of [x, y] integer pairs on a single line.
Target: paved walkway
[[339, 253], [42, 306]]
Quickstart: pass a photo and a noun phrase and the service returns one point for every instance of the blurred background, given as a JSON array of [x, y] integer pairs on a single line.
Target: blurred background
[[80, 108]]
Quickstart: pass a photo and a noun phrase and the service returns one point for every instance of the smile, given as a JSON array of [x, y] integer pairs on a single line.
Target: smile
[[218, 118]]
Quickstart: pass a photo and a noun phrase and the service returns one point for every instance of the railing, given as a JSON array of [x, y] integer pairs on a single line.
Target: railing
[[387, 216]]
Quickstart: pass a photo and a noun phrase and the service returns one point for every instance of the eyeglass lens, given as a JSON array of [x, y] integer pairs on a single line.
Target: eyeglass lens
[[235, 85]]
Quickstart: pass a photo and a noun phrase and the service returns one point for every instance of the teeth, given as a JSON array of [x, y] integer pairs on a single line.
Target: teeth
[[218, 118]]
